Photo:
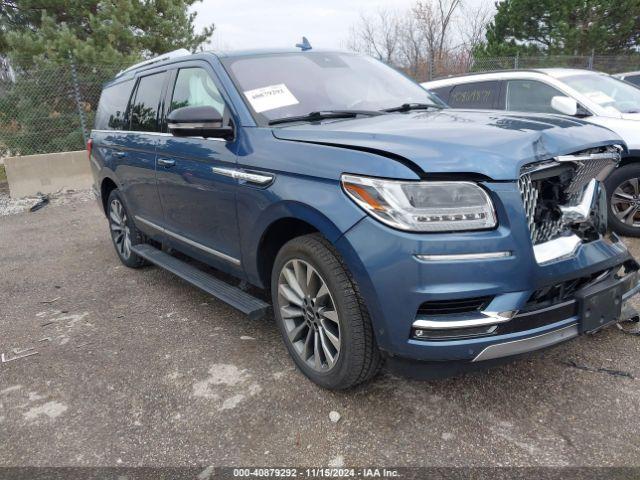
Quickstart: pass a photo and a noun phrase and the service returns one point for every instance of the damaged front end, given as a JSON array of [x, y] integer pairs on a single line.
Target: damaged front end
[[565, 201]]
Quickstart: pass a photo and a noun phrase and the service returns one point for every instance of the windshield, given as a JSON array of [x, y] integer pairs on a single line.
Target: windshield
[[607, 92], [284, 85]]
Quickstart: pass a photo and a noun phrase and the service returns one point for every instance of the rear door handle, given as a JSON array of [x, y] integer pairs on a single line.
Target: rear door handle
[[166, 162], [119, 154]]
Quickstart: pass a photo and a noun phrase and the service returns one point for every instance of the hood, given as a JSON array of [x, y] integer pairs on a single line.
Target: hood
[[631, 116], [487, 143]]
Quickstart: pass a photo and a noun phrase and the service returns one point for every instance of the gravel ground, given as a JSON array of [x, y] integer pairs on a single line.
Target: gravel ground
[[10, 206], [135, 367]]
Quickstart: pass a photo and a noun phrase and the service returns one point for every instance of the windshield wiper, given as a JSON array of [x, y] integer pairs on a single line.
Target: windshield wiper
[[325, 114], [405, 107]]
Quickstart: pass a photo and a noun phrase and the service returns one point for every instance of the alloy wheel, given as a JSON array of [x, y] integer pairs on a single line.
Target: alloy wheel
[[309, 315], [625, 202], [119, 228]]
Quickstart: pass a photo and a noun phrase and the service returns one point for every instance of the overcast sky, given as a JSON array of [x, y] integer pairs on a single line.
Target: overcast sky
[[281, 23]]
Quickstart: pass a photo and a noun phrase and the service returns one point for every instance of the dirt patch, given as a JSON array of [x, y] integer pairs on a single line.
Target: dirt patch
[[10, 206]]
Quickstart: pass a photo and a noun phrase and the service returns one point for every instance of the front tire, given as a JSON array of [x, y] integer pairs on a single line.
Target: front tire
[[124, 233], [322, 318], [623, 189]]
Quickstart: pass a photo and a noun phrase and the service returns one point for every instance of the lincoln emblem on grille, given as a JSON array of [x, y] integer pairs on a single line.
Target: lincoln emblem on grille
[[563, 198]]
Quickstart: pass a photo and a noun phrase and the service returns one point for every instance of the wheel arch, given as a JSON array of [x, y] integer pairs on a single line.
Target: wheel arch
[[618, 219], [632, 157], [107, 185], [281, 224]]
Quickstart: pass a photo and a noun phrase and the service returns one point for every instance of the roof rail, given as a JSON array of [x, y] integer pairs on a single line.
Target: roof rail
[[181, 52]]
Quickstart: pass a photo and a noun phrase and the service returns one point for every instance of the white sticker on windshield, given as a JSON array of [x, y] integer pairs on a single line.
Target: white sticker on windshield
[[270, 98]]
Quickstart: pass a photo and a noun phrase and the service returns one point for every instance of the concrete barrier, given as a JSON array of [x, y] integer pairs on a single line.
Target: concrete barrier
[[47, 173]]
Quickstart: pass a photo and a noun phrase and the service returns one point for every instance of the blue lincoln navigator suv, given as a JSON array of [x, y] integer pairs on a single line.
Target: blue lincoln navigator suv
[[383, 224]]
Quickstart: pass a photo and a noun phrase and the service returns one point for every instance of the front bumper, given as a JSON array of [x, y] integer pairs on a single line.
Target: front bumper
[[395, 281]]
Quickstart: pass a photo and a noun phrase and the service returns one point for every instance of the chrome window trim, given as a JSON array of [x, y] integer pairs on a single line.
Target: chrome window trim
[[195, 125], [462, 256], [159, 134], [188, 241]]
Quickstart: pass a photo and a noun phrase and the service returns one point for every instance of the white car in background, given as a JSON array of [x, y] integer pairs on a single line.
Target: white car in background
[[630, 77], [595, 97]]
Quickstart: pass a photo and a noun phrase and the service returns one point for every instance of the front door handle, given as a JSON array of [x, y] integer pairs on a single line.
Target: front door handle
[[166, 162]]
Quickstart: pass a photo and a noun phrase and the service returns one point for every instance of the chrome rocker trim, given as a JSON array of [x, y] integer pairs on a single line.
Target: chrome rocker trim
[[188, 241]]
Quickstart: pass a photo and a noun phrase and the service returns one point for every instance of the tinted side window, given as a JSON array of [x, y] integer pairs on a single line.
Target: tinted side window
[[635, 79], [195, 88], [530, 96], [442, 93], [474, 95], [144, 109], [113, 106]]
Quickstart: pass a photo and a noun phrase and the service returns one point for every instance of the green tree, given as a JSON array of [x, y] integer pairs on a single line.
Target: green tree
[[566, 27], [39, 112], [97, 30]]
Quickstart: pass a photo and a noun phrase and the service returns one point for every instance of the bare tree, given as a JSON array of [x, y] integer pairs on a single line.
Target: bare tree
[[413, 55], [471, 29], [473, 25], [436, 19], [431, 38], [377, 35]]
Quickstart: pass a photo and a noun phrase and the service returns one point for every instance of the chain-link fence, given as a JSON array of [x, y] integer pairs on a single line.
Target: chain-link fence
[[48, 107], [460, 64]]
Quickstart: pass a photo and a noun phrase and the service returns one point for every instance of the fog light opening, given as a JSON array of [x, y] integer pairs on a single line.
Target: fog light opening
[[452, 333]]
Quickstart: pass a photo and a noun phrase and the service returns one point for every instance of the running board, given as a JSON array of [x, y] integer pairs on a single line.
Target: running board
[[253, 307]]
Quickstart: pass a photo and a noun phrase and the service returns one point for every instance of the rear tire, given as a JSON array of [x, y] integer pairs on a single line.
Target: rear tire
[[623, 191], [322, 318], [124, 233]]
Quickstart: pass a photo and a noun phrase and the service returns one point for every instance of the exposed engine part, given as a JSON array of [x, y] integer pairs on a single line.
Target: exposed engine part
[[560, 196]]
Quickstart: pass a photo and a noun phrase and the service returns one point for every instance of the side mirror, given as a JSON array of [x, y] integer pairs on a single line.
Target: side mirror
[[565, 105], [198, 122]]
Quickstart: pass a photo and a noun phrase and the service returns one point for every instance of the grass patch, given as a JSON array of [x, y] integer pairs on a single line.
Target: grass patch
[[3, 174]]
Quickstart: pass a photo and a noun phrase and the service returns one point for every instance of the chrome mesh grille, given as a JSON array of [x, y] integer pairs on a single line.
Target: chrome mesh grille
[[587, 165], [540, 232], [529, 200], [585, 171]]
